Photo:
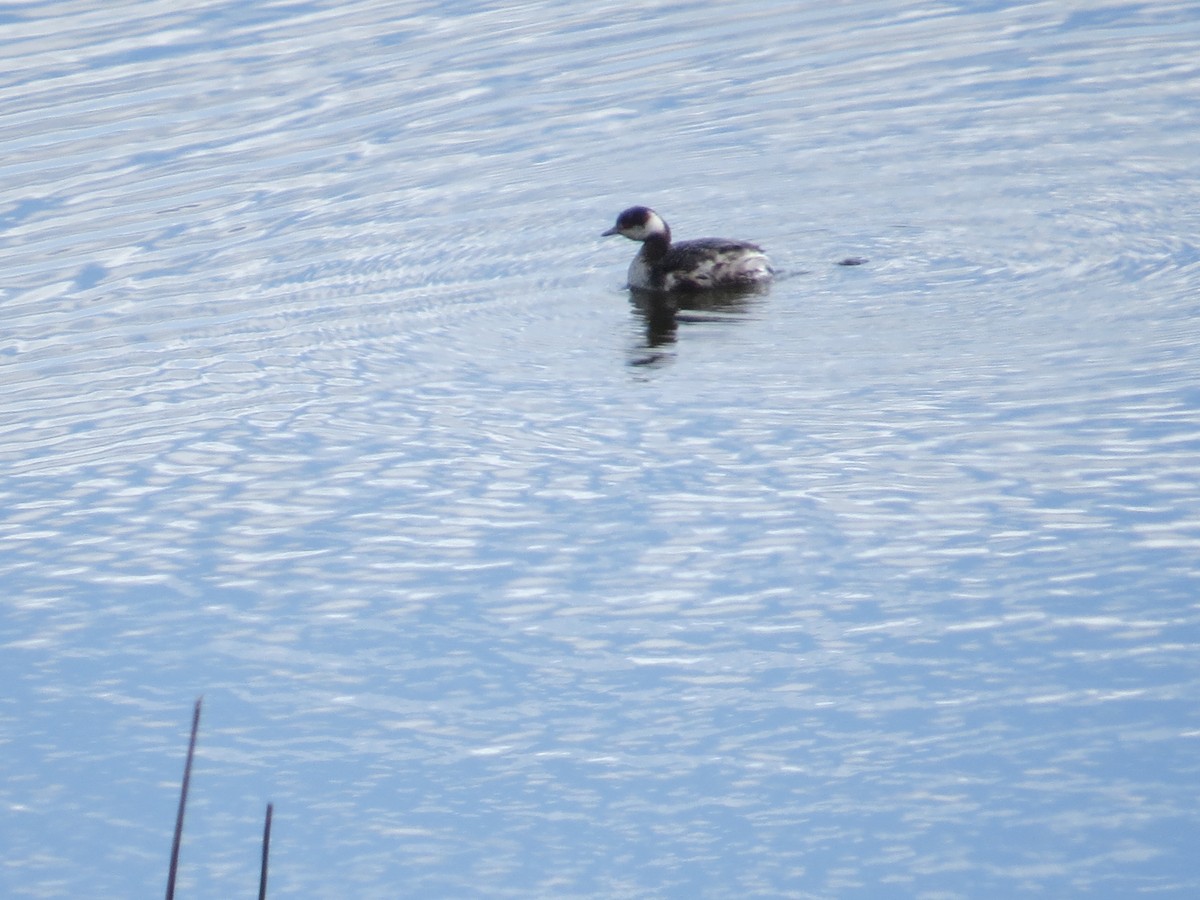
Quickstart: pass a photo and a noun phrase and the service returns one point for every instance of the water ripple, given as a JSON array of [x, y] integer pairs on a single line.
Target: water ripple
[[318, 400]]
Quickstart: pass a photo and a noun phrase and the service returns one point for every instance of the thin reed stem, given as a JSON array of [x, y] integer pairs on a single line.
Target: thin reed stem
[[262, 879], [187, 778]]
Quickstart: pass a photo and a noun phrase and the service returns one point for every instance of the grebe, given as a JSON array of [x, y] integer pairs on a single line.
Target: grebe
[[688, 265]]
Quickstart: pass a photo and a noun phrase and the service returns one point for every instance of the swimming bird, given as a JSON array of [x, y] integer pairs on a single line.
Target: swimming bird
[[688, 265]]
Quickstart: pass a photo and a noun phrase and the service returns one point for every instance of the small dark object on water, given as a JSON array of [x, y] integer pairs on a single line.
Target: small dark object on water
[[853, 261]]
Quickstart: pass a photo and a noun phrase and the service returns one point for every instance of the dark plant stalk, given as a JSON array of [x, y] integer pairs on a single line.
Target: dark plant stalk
[[187, 777], [262, 879]]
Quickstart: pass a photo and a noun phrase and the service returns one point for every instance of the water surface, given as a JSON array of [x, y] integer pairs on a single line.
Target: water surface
[[323, 399]]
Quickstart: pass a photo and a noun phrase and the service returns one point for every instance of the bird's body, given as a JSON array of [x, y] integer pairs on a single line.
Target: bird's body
[[687, 265]]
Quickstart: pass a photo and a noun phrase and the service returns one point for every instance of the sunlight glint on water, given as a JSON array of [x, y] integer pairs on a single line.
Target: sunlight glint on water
[[323, 400]]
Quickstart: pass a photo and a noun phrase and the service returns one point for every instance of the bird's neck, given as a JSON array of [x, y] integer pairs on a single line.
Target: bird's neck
[[655, 247]]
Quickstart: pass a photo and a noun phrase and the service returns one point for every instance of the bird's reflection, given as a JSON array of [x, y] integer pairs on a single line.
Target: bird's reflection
[[663, 313]]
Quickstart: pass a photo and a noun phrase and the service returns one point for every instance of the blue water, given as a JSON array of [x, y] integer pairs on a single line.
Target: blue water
[[323, 400]]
